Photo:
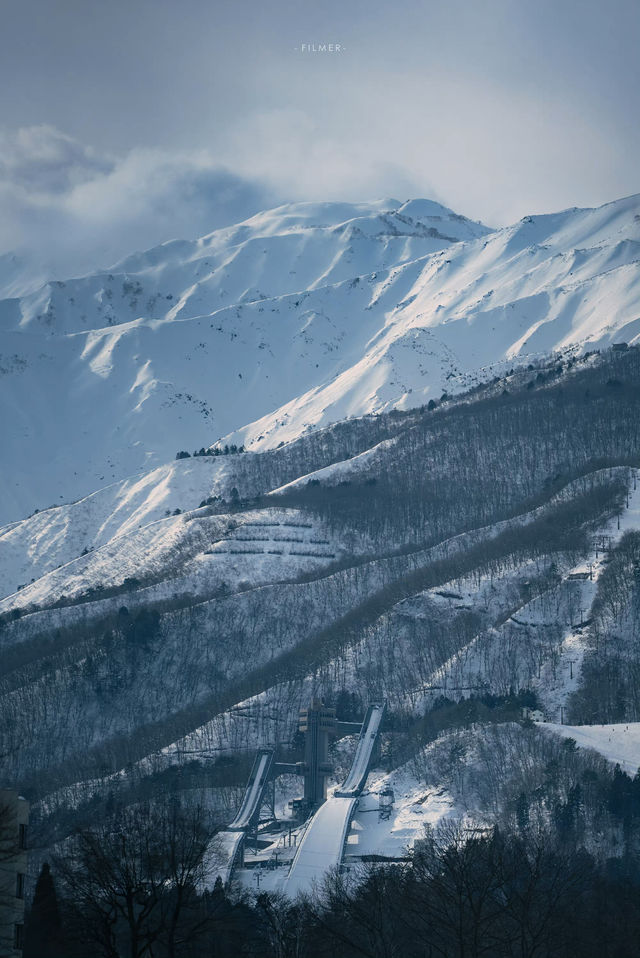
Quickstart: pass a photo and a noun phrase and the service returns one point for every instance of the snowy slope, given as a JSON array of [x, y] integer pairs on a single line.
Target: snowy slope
[[113, 373], [300, 316], [20, 274], [619, 744], [516, 652], [188, 555], [547, 283], [49, 539]]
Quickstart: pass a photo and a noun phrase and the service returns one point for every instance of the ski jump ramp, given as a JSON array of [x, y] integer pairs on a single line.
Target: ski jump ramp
[[230, 840], [357, 777], [254, 791], [322, 844]]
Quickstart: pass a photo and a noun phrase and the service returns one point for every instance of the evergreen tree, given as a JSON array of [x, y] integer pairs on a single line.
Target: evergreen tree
[[522, 813], [620, 794], [43, 928]]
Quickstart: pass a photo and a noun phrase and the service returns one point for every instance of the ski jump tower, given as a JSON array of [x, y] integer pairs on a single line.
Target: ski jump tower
[[319, 722]]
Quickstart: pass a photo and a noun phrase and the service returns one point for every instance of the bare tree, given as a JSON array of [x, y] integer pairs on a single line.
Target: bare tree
[[455, 891], [133, 887], [284, 925]]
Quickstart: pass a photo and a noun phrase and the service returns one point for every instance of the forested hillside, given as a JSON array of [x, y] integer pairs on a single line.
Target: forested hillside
[[407, 555]]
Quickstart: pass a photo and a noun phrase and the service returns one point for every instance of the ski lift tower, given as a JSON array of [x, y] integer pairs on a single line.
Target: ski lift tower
[[386, 799]]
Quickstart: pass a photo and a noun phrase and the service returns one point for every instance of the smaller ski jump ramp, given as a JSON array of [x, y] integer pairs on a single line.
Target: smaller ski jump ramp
[[254, 791], [228, 844]]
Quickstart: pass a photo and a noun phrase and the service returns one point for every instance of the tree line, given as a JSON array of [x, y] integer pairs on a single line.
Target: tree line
[[134, 889]]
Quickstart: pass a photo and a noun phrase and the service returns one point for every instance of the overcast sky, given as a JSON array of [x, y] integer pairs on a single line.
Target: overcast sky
[[127, 122]]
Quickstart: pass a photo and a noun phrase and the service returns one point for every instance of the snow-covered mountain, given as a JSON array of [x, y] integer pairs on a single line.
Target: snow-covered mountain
[[298, 317], [113, 373], [20, 274], [460, 559], [187, 614]]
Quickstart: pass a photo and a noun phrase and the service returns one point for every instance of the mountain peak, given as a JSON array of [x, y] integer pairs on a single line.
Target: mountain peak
[[300, 316]]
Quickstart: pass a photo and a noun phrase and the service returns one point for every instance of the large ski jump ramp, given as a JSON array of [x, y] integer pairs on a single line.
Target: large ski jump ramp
[[357, 777], [322, 844]]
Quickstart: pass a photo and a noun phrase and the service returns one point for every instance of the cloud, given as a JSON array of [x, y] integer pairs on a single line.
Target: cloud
[[42, 159], [316, 158], [68, 209]]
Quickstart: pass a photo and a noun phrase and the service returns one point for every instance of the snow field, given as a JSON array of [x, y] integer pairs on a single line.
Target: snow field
[[367, 307], [619, 743]]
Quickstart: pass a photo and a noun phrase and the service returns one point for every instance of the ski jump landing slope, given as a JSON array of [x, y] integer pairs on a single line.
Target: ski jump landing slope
[[323, 841], [231, 839]]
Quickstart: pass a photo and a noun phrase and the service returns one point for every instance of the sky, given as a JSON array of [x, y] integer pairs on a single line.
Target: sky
[[124, 123]]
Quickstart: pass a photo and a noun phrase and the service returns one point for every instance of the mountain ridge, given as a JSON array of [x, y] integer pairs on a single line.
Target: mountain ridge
[[366, 307]]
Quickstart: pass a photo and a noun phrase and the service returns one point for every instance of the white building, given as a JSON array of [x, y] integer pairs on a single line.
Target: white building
[[14, 819], [534, 714]]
